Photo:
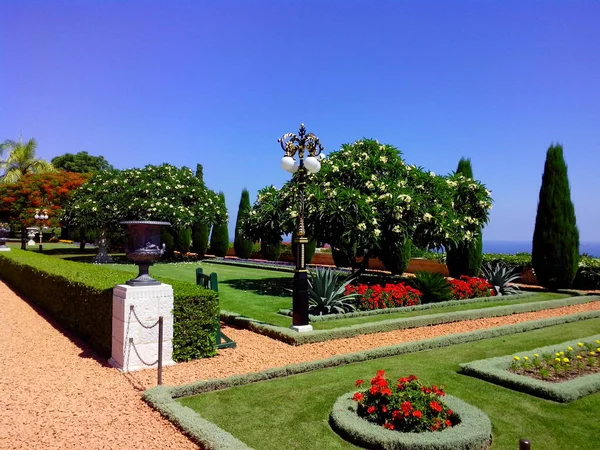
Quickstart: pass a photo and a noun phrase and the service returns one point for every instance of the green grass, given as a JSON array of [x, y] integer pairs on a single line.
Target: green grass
[[293, 412], [330, 324]]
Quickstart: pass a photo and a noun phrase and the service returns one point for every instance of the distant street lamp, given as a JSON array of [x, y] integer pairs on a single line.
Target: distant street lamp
[[301, 144], [41, 216]]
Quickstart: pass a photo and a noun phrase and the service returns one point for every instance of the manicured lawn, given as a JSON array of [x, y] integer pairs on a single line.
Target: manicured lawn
[[293, 412], [328, 325]]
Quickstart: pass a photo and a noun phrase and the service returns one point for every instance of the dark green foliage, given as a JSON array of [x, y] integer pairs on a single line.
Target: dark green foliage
[[219, 239], [271, 251], [395, 254], [195, 327], [433, 286], [200, 233], [309, 248], [326, 292], [81, 162], [555, 250], [242, 245], [183, 239], [340, 258], [465, 258], [166, 237], [81, 301]]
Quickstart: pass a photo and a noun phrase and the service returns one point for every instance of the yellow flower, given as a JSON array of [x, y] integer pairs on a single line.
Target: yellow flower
[[562, 353], [536, 355], [526, 358], [598, 349], [557, 354], [597, 341], [557, 359], [592, 353], [580, 344], [578, 356], [516, 358], [570, 349], [565, 360]]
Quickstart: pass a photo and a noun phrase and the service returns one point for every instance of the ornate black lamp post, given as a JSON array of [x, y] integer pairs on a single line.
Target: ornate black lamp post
[[41, 216], [307, 147]]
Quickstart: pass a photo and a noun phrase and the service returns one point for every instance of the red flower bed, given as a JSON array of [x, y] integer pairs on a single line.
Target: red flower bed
[[470, 287], [381, 297], [409, 406]]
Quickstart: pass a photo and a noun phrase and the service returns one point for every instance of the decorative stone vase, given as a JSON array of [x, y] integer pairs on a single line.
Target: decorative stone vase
[[143, 239], [3, 238], [31, 232]]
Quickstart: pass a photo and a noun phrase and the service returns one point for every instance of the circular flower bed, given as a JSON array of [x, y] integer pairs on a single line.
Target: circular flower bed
[[409, 415]]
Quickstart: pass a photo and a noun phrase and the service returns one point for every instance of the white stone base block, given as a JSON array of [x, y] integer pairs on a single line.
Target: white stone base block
[[302, 328], [4, 249], [134, 339]]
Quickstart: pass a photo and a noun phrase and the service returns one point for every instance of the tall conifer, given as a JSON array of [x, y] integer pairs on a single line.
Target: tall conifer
[[219, 238], [200, 230], [242, 245], [465, 258], [555, 249]]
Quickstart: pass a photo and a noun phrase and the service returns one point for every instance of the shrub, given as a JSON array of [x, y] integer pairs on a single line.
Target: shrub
[[200, 233], [470, 287], [81, 301], [182, 239], [500, 276], [327, 294], [465, 257], [408, 406], [219, 238], [382, 297], [555, 250], [166, 237], [241, 244], [433, 286], [395, 254], [271, 251], [340, 258]]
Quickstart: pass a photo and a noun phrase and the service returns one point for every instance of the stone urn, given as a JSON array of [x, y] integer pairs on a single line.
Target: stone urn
[[4, 231], [31, 232], [143, 248]]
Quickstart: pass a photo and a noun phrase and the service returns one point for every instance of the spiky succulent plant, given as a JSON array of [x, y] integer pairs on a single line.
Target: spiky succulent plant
[[326, 293], [501, 277]]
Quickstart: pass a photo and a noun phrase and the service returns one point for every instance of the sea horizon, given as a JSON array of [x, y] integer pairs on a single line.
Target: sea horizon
[[512, 247]]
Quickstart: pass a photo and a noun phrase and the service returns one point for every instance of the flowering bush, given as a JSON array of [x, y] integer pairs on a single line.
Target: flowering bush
[[407, 406], [559, 366], [381, 297], [471, 287]]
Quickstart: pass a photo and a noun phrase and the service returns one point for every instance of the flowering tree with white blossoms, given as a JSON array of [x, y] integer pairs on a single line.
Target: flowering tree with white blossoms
[[366, 197], [162, 193]]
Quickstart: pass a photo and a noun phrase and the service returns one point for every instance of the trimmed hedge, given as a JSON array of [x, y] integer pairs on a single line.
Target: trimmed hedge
[[294, 338], [376, 312], [79, 297], [495, 370], [474, 432], [163, 398]]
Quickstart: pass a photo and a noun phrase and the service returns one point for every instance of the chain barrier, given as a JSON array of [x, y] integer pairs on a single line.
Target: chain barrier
[[159, 322]]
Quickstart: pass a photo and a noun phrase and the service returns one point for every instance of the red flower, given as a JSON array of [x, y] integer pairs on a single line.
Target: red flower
[[388, 425], [371, 409], [436, 406], [358, 396], [359, 382], [406, 407], [448, 423], [417, 414], [383, 408]]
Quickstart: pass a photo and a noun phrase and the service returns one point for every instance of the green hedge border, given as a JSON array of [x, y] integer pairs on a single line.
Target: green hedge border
[[292, 337], [495, 370], [426, 306], [208, 435], [474, 432]]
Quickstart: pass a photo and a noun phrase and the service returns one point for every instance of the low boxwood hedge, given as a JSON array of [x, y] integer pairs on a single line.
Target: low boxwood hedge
[[207, 434], [294, 338], [474, 432], [495, 370], [376, 312], [79, 297]]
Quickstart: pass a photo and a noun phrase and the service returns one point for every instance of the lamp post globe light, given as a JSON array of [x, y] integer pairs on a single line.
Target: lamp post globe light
[[306, 148], [41, 216]]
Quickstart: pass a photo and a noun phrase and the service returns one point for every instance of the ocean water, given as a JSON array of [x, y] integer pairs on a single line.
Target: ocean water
[[512, 247]]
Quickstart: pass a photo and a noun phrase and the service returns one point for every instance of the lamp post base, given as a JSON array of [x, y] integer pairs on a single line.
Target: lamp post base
[[301, 328]]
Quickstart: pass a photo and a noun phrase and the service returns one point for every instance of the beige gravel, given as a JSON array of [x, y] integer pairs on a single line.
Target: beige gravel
[[55, 394]]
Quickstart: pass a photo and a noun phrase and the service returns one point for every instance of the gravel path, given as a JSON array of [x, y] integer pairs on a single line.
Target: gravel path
[[55, 394]]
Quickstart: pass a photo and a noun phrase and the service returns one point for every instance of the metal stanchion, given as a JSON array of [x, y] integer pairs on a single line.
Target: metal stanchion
[[524, 444], [160, 349]]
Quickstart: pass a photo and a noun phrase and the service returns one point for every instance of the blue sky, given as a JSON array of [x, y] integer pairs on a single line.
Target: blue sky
[[217, 82]]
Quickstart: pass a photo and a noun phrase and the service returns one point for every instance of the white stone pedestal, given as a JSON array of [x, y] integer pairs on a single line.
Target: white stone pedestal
[[135, 347], [302, 328]]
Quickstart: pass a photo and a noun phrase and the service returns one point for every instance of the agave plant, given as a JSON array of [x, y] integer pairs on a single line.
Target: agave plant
[[433, 286], [326, 293], [499, 275]]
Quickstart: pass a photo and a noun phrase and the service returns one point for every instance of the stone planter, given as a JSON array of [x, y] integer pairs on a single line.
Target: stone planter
[[143, 239], [3, 238], [474, 431], [31, 232]]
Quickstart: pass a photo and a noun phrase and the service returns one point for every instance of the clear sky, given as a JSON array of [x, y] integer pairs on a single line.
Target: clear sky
[[217, 82]]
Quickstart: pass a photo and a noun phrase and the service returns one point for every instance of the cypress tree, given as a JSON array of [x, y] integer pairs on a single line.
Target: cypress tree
[[465, 258], [242, 245], [395, 253], [555, 249], [219, 239], [200, 230]]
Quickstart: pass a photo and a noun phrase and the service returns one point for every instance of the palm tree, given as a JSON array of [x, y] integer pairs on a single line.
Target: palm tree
[[21, 160]]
